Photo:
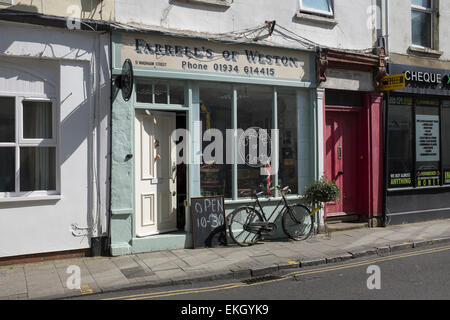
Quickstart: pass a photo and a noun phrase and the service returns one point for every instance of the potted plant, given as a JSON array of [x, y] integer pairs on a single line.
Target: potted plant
[[320, 192]]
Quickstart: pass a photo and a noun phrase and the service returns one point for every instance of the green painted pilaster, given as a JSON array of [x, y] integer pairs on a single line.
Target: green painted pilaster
[[122, 173]]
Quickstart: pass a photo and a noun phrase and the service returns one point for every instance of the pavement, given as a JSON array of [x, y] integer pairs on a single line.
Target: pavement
[[56, 279]]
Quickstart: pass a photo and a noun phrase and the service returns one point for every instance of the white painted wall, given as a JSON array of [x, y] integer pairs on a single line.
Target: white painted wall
[[400, 35], [74, 68], [350, 32]]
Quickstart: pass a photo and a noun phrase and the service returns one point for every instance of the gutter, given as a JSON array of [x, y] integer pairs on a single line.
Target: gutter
[[51, 21]]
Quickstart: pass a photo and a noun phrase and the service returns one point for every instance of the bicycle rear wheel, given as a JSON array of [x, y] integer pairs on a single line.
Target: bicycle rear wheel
[[297, 222], [238, 221]]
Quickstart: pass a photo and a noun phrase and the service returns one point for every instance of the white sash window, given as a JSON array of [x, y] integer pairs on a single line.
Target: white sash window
[[28, 147]]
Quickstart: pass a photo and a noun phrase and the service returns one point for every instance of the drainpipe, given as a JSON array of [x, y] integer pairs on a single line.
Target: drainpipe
[[385, 25]]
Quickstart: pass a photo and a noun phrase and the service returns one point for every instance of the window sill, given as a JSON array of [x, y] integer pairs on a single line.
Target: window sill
[[316, 18], [31, 198], [262, 199], [217, 3], [425, 51]]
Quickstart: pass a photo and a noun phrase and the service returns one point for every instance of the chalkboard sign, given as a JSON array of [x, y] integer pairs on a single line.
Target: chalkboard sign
[[208, 222]]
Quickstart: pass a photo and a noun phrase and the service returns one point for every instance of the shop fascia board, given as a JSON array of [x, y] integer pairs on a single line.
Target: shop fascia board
[[140, 29]]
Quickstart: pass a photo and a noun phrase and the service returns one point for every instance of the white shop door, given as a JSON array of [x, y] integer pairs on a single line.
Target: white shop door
[[155, 172]]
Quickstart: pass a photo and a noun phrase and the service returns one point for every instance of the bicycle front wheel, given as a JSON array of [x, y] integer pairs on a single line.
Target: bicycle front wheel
[[238, 226], [298, 222]]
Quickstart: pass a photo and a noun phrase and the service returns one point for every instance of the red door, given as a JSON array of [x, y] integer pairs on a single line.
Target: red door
[[342, 160]]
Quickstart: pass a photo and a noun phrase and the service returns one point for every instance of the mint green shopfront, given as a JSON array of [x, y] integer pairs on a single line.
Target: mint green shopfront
[[204, 89]]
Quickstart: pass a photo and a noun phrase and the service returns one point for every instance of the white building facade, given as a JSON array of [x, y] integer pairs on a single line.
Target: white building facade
[[54, 122]]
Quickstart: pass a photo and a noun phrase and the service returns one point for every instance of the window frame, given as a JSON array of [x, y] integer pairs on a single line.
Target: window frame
[[192, 88], [151, 83], [431, 12], [329, 13], [20, 142]]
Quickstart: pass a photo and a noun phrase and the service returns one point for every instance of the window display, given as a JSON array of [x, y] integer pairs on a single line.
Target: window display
[[255, 120], [215, 114], [287, 124], [254, 140]]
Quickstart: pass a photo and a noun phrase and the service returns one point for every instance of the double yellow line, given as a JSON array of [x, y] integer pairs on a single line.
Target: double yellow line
[[284, 277]]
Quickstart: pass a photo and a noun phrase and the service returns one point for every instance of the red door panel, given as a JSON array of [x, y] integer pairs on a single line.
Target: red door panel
[[342, 160]]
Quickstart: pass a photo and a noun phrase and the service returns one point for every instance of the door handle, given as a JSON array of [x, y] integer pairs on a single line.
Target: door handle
[[340, 173]]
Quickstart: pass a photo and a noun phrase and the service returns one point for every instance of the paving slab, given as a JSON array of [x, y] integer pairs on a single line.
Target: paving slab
[[43, 280], [12, 282], [106, 273], [103, 274]]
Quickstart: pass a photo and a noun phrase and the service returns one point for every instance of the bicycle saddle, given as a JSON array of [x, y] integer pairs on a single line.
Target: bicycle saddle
[[257, 194]]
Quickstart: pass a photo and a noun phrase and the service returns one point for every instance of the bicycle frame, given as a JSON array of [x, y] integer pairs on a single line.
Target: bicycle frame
[[280, 202]]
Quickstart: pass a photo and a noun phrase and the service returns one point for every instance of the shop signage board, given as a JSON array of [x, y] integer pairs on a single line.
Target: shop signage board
[[427, 138], [447, 177], [428, 178], [422, 80], [393, 82], [201, 56], [400, 180], [208, 222]]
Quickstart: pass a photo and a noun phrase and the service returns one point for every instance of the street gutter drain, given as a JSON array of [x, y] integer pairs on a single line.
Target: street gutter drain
[[261, 279]]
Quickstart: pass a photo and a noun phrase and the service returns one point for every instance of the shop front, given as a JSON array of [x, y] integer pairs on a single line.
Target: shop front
[[418, 146], [352, 133], [184, 131]]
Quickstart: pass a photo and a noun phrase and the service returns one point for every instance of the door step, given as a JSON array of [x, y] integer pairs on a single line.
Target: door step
[[344, 218], [345, 222], [342, 226]]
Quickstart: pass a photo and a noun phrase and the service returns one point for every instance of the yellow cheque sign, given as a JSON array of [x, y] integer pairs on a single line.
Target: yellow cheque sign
[[394, 82]]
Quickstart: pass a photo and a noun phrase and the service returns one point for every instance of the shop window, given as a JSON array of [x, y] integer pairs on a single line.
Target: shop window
[[422, 23], [215, 114], [34, 146], [254, 122], [254, 139], [287, 124], [160, 91], [418, 125], [446, 141], [321, 7], [400, 139]]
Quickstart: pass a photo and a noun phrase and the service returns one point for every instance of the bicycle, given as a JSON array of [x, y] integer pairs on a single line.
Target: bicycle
[[247, 224]]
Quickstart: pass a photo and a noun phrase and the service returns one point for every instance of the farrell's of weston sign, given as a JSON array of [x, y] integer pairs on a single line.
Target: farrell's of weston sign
[[180, 54]]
